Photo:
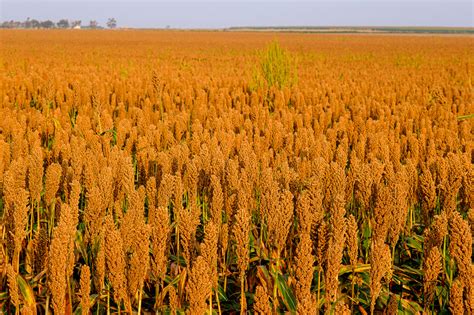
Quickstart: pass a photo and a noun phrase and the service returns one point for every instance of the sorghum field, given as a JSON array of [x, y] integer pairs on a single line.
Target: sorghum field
[[225, 172]]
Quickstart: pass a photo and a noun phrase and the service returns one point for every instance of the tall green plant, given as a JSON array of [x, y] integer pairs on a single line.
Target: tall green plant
[[277, 68]]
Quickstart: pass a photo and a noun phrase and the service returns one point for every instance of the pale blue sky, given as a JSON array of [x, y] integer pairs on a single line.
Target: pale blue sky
[[225, 13]]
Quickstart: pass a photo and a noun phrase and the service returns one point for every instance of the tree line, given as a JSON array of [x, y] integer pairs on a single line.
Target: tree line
[[63, 24]]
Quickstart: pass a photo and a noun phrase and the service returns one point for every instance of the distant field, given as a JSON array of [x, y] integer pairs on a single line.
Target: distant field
[[177, 172], [348, 29]]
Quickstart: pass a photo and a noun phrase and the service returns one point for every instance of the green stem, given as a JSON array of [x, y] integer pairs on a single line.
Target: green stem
[[210, 303], [47, 304], [352, 289], [445, 262], [98, 302], [451, 267], [225, 281], [162, 291], [319, 286], [242, 295], [218, 303], [140, 301], [177, 246], [157, 286], [410, 223], [275, 298], [393, 255], [108, 301], [51, 218]]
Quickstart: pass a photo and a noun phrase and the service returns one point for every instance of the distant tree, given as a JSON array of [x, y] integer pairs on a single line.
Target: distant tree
[[93, 24], [63, 23], [112, 23], [35, 23], [76, 23], [47, 24], [11, 24], [27, 23]]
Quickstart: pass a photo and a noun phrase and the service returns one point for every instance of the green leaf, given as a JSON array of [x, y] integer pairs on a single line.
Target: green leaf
[[469, 116], [221, 294], [172, 281], [410, 272], [357, 269], [26, 291], [411, 306], [415, 242], [264, 275], [286, 294], [78, 310]]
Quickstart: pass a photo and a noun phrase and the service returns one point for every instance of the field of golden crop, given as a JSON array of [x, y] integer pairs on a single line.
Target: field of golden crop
[[226, 172]]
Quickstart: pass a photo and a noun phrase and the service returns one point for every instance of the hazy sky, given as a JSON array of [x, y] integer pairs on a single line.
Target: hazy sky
[[225, 13]]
